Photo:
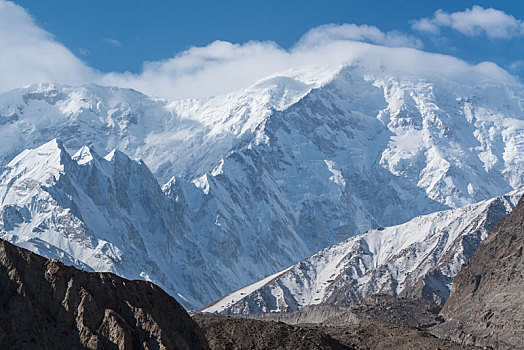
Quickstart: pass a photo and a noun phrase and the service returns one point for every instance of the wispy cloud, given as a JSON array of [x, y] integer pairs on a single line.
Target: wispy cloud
[[364, 33], [112, 41], [476, 21], [517, 66]]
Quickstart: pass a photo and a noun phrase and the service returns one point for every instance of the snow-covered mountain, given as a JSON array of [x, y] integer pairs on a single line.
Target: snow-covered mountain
[[417, 259], [101, 214], [110, 214], [266, 176]]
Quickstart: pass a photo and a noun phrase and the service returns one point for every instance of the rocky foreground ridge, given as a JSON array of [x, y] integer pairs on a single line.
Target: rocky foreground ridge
[[47, 305], [486, 305]]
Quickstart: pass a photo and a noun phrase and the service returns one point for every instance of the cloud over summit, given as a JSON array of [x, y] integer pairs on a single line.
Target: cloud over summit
[[31, 55]]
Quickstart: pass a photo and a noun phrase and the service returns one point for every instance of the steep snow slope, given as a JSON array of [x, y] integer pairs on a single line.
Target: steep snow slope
[[359, 152], [452, 142], [102, 214], [418, 258], [268, 175], [110, 117]]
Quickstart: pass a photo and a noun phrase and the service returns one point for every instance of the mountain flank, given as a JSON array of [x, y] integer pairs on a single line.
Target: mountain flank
[[47, 305], [411, 312], [259, 178], [415, 260], [486, 305], [232, 333]]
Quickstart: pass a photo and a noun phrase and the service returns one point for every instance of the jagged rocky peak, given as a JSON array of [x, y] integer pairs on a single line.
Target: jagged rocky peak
[[45, 304], [50, 156], [83, 155], [98, 213], [21, 180], [116, 156], [48, 163]]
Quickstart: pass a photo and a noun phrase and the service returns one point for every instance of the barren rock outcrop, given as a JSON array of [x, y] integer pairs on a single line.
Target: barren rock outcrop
[[486, 305], [47, 305]]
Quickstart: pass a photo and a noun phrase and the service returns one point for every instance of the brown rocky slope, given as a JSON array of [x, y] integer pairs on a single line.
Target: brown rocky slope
[[47, 305], [411, 312], [235, 333], [486, 305]]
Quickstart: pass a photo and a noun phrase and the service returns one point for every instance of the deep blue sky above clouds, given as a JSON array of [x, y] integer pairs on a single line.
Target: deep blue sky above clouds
[[185, 49], [119, 35]]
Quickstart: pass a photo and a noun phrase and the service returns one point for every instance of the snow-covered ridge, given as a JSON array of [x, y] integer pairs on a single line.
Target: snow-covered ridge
[[418, 258], [100, 214], [144, 127]]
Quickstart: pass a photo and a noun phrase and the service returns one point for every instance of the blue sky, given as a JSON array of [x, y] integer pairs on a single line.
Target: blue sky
[[119, 35], [175, 49]]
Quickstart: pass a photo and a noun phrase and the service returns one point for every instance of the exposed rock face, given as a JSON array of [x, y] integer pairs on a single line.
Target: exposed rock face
[[418, 313], [233, 333], [236, 333], [486, 305], [47, 305]]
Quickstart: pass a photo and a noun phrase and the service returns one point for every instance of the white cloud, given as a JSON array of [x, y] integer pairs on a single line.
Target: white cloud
[[222, 66], [28, 54], [517, 66], [365, 33], [31, 55], [427, 25], [476, 21], [202, 71]]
